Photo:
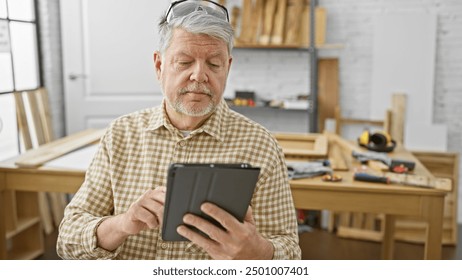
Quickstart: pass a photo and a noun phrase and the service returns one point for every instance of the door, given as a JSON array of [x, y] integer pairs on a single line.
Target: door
[[108, 65]]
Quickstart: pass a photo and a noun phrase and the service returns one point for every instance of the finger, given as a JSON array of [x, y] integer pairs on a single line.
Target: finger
[[158, 194], [150, 207], [153, 201], [228, 221], [154, 208], [212, 231], [205, 243], [146, 217]]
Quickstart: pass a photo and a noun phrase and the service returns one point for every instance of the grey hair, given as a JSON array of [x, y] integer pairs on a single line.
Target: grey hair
[[197, 23]]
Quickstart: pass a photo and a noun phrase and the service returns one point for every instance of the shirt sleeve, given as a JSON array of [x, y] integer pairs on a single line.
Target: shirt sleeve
[[274, 210], [89, 207]]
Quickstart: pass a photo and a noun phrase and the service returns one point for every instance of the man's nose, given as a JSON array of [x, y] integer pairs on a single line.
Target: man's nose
[[199, 73]]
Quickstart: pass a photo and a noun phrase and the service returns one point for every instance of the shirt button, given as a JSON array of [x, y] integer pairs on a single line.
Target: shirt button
[[182, 143], [164, 246]]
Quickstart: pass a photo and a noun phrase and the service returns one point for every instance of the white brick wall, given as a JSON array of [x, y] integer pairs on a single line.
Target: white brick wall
[[50, 41], [350, 22], [275, 73]]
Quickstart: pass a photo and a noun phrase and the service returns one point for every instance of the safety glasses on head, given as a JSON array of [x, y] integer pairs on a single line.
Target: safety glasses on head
[[184, 7]]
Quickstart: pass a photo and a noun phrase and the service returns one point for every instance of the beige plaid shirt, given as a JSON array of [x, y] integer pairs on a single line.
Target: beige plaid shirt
[[134, 156]]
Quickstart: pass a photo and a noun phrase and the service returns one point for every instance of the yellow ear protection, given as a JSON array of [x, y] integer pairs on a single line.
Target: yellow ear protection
[[378, 141]]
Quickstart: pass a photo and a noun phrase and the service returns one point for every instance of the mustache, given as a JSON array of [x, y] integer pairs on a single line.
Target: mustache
[[197, 88]]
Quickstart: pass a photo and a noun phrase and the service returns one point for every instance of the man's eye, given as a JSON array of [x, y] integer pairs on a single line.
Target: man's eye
[[184, 62], [214, 65]]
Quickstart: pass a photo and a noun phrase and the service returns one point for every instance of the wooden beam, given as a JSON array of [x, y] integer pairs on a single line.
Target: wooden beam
[[49, 151], [277, 34]]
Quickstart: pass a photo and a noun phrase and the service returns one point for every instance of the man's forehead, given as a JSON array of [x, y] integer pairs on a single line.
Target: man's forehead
[[182, 41]]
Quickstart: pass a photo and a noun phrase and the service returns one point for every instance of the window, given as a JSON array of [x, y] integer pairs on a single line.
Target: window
[[19, 52], [19, 65]]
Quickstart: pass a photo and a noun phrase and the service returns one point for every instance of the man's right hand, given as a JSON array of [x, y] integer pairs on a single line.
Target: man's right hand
[[145, 213]]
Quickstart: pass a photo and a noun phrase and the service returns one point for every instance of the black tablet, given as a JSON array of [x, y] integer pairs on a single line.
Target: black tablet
[[229, 186]]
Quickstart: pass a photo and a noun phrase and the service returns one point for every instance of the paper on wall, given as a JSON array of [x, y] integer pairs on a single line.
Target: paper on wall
[[404, 62]]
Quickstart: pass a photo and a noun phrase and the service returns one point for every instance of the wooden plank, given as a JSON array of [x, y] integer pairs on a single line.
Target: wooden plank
[[25, 130], [245, 36], [388, 237], [45, 213], [369, 221], [49, 151], [398, 108], [22, 121], [421, 181], [235, 18], [37, 129], [45, 114], [257, 19], [293, 20], [55, 202], [268, 21], [358, 219], [320, 15], [328, 89], [301, 144], [277, 35], [355, 233], [347, 146], [336, 158]]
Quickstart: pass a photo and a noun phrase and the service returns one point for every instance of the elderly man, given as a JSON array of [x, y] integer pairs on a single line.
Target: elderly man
[[118, 211]]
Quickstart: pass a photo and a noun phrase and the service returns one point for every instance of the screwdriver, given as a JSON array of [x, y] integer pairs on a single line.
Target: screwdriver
[[365, 177]]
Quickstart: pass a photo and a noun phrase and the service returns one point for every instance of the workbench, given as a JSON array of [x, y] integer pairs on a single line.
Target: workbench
[[310, 194]]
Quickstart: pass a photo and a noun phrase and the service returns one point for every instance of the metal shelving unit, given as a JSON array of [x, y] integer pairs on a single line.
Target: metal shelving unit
[[312, 113], [313, 109]]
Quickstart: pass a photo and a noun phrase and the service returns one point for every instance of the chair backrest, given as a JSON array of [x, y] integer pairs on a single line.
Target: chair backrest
[[34, 118], [35, 129], [392, 123]]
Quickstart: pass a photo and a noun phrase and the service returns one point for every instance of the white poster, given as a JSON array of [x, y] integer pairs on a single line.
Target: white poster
[[8, 127], [404, 62]]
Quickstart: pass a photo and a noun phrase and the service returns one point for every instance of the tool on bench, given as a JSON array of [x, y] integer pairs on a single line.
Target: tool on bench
[[405, 179], [378, 141], [394, 165]]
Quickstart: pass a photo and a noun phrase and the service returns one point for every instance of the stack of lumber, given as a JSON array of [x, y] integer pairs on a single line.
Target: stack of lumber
[[35, 129], [277, 23]]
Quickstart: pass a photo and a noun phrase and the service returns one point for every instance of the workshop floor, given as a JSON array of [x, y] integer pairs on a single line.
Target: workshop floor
[[321, 245]]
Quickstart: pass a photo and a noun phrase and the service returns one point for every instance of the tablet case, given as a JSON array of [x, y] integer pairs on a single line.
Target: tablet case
[[229, 186]]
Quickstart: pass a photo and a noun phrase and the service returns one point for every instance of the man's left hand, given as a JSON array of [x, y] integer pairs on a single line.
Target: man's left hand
[[236, 241]]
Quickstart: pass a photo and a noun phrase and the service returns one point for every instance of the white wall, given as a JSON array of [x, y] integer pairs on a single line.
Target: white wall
[[350, 22]]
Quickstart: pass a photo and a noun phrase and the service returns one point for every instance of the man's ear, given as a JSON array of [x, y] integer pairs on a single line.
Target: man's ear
[[229, 63], [157, 63]]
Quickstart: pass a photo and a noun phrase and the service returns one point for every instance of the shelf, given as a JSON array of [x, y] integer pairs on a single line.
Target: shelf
[[23, 224], [25, 255], [264, 108], [23, 236], [275, 47], [333, 46], [27, 243]]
